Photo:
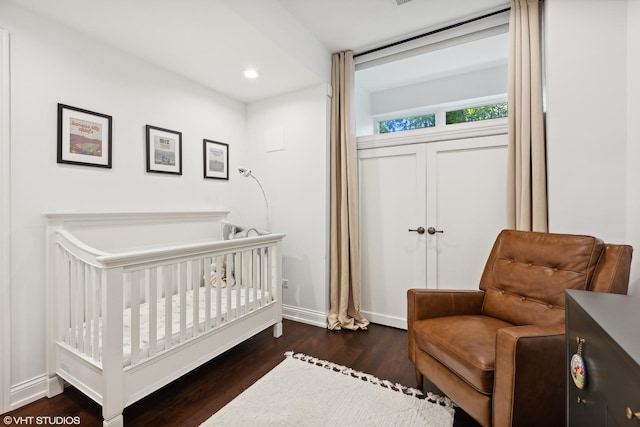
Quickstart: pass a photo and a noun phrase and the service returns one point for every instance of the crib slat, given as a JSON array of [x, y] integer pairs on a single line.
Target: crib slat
[[239, 282], [72, 306], [88, 309], [218, 291], [263, 276], [195, 297], [237, 274], [207, 293], [228, 315], [182, 287], [256, 279], [134, 284], [168, 292], [73, 292], [248, 275], [249, 282], [64, 279], [152, 301], [270, 273], [97, 303], [79, 298]]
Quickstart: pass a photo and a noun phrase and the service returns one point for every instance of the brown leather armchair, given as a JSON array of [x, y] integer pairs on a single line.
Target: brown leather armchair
[[499, 352]]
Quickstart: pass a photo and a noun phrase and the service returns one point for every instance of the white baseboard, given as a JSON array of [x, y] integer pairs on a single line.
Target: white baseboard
[[28, 391], [303, 315], [384, 319]]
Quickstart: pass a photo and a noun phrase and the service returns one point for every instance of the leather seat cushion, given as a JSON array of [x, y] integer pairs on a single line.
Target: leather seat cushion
[[464, 344]]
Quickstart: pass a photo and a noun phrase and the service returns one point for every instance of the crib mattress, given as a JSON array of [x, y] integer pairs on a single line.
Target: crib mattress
[[234, 302]]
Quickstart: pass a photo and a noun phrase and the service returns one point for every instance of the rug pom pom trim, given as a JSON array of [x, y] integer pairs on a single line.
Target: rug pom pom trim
[[431, 397]]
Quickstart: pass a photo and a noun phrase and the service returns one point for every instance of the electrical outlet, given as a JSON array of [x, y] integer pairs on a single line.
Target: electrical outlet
[[285, 283]]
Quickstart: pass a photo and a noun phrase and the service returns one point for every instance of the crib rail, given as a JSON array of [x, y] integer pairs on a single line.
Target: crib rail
[[140, 303]]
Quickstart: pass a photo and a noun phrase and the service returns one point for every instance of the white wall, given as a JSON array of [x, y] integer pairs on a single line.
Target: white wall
[[296, 182], [364, 118], [50, 64], [590, 53], [476, 84], [633, 137]]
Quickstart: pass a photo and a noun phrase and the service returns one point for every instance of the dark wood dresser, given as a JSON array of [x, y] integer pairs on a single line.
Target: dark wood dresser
[[610, 327]]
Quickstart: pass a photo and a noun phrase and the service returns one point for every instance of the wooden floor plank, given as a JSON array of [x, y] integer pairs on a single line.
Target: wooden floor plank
[[380, 351]]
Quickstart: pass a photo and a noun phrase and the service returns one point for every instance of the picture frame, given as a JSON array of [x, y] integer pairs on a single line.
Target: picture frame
[[84, 137], [164, 150], [216, 159]]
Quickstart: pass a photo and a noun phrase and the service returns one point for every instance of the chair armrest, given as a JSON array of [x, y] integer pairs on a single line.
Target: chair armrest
[[429, 303], [530, 361]]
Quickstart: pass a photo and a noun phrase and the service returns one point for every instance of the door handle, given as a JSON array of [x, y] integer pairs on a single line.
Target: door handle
[[432, 230], [420, 230]]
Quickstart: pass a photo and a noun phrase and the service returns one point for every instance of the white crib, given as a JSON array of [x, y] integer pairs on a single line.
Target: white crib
[[138, 299]]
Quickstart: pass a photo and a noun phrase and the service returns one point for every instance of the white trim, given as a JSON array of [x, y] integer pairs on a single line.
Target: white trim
[[435, 134], [386, 319], [5, 224], [129, 217], [303, 315], [28, 392]]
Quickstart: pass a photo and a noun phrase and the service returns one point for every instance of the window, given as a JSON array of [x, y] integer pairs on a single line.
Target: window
[[472, 114], [470, 110], [407, 123]]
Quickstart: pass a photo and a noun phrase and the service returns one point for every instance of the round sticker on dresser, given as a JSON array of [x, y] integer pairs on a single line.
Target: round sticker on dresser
[[578, 370]]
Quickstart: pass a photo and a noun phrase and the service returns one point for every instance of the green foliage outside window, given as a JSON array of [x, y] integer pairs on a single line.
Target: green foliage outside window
[[408, 123], [484, 112]]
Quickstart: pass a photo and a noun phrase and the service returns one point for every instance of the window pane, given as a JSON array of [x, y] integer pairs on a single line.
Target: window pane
[[407, 123], [484, 112]]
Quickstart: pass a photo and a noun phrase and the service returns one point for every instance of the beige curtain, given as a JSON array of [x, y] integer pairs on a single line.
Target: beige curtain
[[527, 181], [344, 312]]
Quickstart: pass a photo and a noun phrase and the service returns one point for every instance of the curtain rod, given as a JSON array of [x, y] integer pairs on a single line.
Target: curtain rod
[[439, 30]]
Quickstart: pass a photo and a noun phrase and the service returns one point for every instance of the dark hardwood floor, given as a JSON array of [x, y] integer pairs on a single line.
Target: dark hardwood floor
[[190, 400]]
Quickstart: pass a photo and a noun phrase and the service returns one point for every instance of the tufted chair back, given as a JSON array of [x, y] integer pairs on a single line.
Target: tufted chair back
[[527, 273]]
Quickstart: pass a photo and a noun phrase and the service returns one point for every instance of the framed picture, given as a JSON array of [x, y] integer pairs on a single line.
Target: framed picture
[[216, 160], [164, 150], [84, 137]]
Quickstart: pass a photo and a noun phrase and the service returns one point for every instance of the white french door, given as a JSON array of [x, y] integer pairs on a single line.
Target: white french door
[[429, 215], [466, 200], [392, 189]]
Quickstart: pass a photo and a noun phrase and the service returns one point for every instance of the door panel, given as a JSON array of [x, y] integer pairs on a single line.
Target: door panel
[[456, 186], [466, 199], [392, 188]]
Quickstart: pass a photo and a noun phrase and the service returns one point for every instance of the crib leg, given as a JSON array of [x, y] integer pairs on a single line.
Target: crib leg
[[117, 421], [277, 330]]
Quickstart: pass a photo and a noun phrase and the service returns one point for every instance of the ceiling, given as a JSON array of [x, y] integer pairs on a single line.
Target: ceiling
[[287, 41], [360, 25]]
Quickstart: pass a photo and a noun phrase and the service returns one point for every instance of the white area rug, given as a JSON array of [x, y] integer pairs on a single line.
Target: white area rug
[[304, 391]]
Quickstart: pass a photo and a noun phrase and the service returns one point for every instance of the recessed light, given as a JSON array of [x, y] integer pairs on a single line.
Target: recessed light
[[250, 73]]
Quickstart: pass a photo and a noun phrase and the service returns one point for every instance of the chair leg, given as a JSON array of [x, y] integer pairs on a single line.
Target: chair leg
[[419, 379]]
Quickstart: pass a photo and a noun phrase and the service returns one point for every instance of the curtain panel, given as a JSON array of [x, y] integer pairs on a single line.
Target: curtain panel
[[527, 180], [344, 311]]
